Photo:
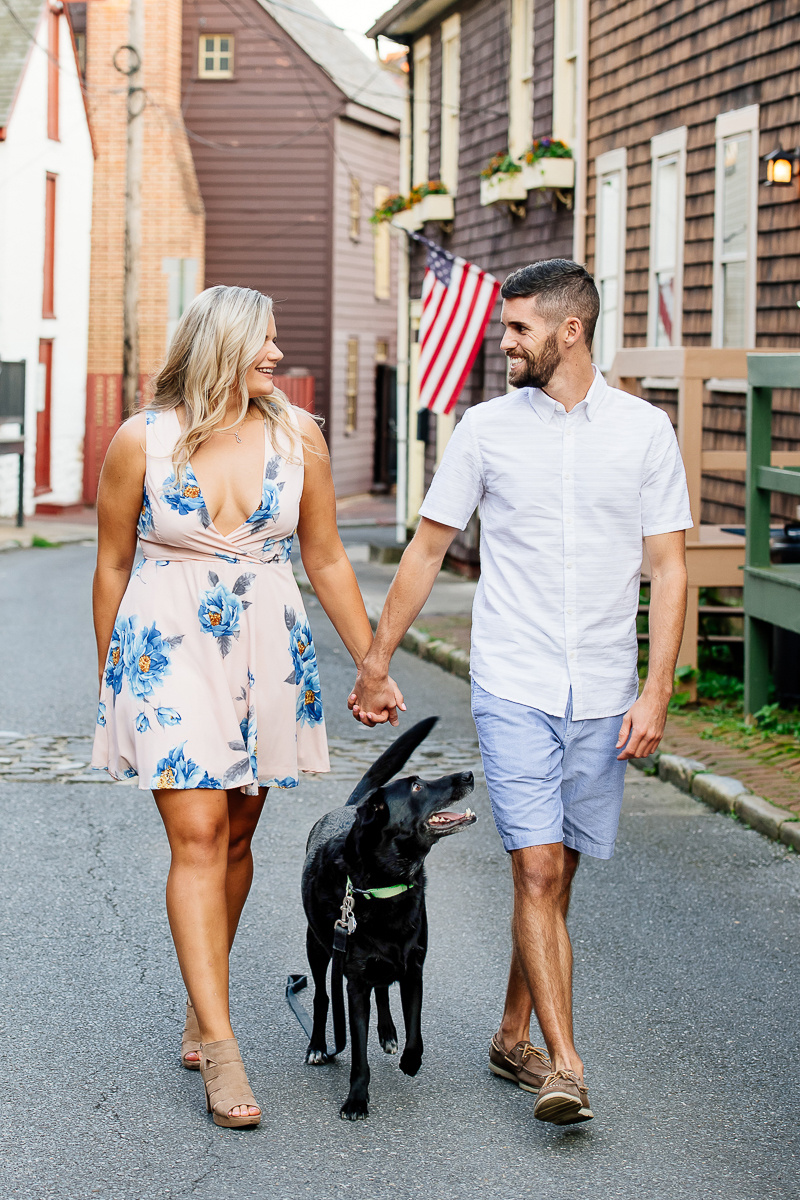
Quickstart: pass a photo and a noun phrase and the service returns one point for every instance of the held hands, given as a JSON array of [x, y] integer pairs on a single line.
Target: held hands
[[375, 698], [643, 726]]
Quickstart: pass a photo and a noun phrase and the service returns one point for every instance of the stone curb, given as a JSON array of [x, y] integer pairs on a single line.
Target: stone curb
[[25, 541], [726, 795]]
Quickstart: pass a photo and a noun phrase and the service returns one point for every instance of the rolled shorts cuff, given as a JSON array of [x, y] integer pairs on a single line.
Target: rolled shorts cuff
[[584, 845], [522, 841]]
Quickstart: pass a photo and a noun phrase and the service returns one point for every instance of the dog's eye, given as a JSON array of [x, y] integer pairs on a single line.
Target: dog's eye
[[416, 787]]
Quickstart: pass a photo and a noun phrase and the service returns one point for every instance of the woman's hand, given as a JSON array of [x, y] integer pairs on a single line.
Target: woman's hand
[[375, 698]]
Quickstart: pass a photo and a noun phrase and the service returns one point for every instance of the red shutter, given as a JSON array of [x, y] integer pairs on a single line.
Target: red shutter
[[48, 296], [42, 468], [52, 74]]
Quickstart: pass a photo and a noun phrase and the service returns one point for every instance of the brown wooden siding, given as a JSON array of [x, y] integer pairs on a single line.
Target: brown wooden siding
[[372, 158], [266, 178], [657, 66], [491, 237]]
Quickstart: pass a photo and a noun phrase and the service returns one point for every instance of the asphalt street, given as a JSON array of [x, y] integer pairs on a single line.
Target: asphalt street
[[686, 982]]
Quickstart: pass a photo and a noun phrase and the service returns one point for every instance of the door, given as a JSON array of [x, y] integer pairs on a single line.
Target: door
[[43, 408], [385, 472]]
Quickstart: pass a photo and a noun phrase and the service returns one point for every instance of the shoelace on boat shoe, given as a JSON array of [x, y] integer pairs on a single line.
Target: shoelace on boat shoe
[[540, 1051], [560, 1074]]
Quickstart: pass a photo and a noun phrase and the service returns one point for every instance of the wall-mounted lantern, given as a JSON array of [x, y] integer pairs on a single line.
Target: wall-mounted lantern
[[782, 166]]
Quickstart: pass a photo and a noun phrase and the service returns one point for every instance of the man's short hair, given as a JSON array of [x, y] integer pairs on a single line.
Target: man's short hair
[[562, 288]]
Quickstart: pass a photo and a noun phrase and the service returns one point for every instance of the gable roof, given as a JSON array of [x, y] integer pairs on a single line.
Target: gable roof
[[363, 82], [16, 42]]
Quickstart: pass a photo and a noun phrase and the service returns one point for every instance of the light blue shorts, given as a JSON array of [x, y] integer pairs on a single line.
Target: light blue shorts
[[550, 779]]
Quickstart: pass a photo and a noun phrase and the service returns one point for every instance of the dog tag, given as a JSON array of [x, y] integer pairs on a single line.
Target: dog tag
[[351, 924]]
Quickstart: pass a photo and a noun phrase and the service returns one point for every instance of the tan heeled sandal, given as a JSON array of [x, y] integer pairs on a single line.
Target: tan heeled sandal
[[190, 1042], [226, 1083]]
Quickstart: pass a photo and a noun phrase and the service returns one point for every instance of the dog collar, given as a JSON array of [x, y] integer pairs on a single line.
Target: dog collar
[[380, 893]]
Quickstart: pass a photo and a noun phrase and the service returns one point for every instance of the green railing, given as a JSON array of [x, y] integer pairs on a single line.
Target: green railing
[[771, 591]]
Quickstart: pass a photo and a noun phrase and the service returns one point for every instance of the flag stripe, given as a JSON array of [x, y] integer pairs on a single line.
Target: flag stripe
[[454, 294], [455, 392], [461, 348]]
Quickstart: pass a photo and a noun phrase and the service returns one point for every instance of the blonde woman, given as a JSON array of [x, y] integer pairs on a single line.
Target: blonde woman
[[209, 688]]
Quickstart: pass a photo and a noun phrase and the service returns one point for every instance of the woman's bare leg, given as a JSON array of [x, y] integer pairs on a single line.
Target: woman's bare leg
[[197, 827], [243, 816]]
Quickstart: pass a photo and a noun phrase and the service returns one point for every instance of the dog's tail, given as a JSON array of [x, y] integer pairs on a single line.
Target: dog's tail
[[393, 759]]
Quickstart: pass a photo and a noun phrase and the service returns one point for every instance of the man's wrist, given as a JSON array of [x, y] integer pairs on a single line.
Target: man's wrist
[[374, 667]]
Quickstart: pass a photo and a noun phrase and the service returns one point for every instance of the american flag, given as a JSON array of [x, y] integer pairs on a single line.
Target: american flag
[[457, 302]]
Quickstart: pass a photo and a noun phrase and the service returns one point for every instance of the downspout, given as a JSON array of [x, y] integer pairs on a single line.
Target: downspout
[[403, 336], [581, 148]]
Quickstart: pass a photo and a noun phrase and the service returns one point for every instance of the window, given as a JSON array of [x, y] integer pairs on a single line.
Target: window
[[451, 102], [667, 200], [381, 351], [355, 209], [182, 275], [49, 289], [422, 110], [351, 387], [735, 218], [44, 401], [215, 60], [52, 74], [565, 71], [611, 171], [520, 83], [382, 251]]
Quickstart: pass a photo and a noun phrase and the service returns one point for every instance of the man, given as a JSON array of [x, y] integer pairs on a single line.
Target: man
[[570, 475]]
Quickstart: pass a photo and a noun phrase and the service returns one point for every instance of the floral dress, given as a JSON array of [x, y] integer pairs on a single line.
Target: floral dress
[[211, 679]]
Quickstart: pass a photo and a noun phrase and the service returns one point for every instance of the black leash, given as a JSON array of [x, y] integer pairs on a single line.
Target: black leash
[[343, 926]]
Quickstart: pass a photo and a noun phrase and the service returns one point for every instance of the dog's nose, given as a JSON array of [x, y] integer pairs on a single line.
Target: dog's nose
[[467, 778]]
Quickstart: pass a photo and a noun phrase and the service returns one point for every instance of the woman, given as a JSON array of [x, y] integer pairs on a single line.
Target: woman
[[209, 688]]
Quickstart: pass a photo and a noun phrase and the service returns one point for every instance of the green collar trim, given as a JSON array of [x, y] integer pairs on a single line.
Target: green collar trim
[[380, 893]]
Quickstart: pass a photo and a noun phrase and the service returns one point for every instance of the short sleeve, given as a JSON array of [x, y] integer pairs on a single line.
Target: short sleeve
[[665, 496], [458, 483]]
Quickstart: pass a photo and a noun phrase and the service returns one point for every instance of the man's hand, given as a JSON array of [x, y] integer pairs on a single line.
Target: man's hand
[[643, 726], [375, 698]]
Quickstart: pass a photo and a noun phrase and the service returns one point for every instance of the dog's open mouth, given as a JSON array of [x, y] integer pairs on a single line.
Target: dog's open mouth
[[449, 822]]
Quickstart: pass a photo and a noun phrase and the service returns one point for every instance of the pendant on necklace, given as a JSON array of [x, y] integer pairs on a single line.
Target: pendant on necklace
[[235, 434]]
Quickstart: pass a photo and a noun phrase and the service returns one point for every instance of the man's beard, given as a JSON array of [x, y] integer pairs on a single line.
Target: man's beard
[[537, 370]]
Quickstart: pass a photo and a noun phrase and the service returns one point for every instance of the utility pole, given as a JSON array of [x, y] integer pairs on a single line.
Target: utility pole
[[135, 105]]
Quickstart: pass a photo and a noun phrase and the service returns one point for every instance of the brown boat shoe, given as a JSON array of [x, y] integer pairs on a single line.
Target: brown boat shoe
[[526, 1065], [563, 1100]]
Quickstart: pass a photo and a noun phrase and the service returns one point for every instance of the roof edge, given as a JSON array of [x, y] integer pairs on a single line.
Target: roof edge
[[407, 18]]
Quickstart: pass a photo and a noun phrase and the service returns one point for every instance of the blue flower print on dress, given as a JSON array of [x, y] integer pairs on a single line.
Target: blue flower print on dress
[[145, 522], [151, 416], [270, 506], [221, 609], [250, 739], [226, 557], [101, 713], [184, 496], [115, 664], [282, 783], [142, 723], [147, 654], [301, 644], [177, 771], [208, 782], [309, 699], [279, 550], [168, 716]]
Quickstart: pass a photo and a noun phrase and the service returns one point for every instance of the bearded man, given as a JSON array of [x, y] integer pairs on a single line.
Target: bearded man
[[569, 475]]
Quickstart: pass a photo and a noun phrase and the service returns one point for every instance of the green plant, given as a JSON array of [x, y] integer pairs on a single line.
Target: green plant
[[547, 148], [36, 540], [501, 164], [397, 203]]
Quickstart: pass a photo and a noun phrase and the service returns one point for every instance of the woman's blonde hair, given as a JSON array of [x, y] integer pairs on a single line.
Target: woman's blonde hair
[[218, 338]]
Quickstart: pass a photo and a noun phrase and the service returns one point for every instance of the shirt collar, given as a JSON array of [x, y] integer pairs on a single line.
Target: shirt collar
[[544, 406]]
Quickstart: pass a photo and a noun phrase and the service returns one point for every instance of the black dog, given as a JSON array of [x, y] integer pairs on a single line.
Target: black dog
[[379, 839]]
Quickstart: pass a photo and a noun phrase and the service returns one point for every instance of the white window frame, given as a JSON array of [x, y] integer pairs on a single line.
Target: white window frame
[[451, 103], [382, 250], [613, 162], [566, 55], [520, 79], [421, 120], [732, 124], [669, 145], [216, 54]]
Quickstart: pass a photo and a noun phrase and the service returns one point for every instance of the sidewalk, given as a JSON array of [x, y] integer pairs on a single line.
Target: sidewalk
[[48, 531]]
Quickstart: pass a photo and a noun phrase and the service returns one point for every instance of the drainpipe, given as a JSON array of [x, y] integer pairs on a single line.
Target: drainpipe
[[403, 337], [582, 105]]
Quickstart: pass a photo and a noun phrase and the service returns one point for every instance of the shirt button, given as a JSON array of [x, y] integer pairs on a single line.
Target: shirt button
[[568, 520], [567, 477], [572, 653], [569, 612], [569, 566]]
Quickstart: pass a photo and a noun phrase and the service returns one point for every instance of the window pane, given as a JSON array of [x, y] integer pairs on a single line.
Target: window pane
[[223, 45], [734, 276], [223, 64], [209, 45], [665, 299], [608, 321], [608, 226], [209, 64], [666, 200], [735, 197]]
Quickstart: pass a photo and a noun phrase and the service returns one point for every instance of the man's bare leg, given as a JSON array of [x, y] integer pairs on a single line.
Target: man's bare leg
[[540, 977]]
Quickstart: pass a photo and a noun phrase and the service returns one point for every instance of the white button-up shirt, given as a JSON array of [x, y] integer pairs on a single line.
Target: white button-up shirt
[[565, 500]]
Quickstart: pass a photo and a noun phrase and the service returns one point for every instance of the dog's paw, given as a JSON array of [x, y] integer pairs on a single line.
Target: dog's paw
[[411, 1062], [354, 1109], [389, 1043], [316, 1058]]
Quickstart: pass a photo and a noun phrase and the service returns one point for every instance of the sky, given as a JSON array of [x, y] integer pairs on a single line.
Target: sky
[[356, 17]]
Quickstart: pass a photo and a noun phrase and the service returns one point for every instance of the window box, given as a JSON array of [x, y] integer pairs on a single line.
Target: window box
[[433, 207], [555, 173]]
